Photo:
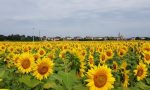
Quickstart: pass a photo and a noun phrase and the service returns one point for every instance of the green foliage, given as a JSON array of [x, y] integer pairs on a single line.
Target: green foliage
[[27, 80]]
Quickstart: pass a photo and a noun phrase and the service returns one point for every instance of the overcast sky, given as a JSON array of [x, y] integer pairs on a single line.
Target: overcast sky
[[75, 17]]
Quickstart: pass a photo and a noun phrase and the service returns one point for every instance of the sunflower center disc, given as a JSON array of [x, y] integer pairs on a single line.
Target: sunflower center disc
[[35, 57], [42, 70], [140, 72], [108, 54], [91, 61], [41, 52], [103, 57], [26, 63], [100, 80], [147, 49], [147, 57], [115, 66], [121, 53]]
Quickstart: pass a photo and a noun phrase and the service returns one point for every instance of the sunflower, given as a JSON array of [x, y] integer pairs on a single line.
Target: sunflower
[[103, 57], [16, 58], [25, 63], [91, 61], [91, 50], [124, 65], [125, 81], [99, 49], [2, 48], [81, 71], [121, 52], [25, 49], [62, 54], [51, 55], [41, 52], [141, 71], [115, 66], [100, 78], [10, 49], [43, 68], [146, 47], [147, 57], [109, 53], [36, 56]]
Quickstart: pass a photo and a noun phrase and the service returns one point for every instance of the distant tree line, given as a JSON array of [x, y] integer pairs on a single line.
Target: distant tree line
[[18, 37]]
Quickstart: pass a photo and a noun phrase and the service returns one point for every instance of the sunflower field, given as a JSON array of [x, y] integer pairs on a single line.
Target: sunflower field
[[75, 65]]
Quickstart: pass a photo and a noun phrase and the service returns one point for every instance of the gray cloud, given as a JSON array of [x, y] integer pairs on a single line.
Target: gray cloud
[[75, 17]]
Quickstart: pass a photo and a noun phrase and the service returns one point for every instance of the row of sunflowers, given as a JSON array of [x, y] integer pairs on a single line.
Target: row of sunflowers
[[74, 65]]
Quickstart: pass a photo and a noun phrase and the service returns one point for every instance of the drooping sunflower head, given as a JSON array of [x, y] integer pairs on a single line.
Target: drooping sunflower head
[[91, 50], [100, 78], [125, 81], [81, 71], [25, 63], [91, 59], [124, 65], [43, 68], [115, 66], [141, 71], [62, 54]]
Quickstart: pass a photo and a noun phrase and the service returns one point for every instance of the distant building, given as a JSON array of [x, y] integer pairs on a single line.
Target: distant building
[[50, 38], [44, 38], [67, 38], [77, 38], [88, 38], [98, 38], [142, 38], [57, 38]]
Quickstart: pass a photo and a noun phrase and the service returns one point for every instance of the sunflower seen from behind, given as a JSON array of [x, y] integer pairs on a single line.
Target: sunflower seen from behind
[[125, 78], [43, 68], [100, 78]]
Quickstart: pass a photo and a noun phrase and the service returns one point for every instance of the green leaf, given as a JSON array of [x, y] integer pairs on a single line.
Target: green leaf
[[142, 86], [49, 85], [2, 73], [133, 88], [80, 87], [1, 80], [26, 79], [148, 81], [68, 79], [60, 88]]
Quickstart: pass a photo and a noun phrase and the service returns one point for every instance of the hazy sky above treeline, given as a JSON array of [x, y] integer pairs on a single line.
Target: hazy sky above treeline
[[75, 17]]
